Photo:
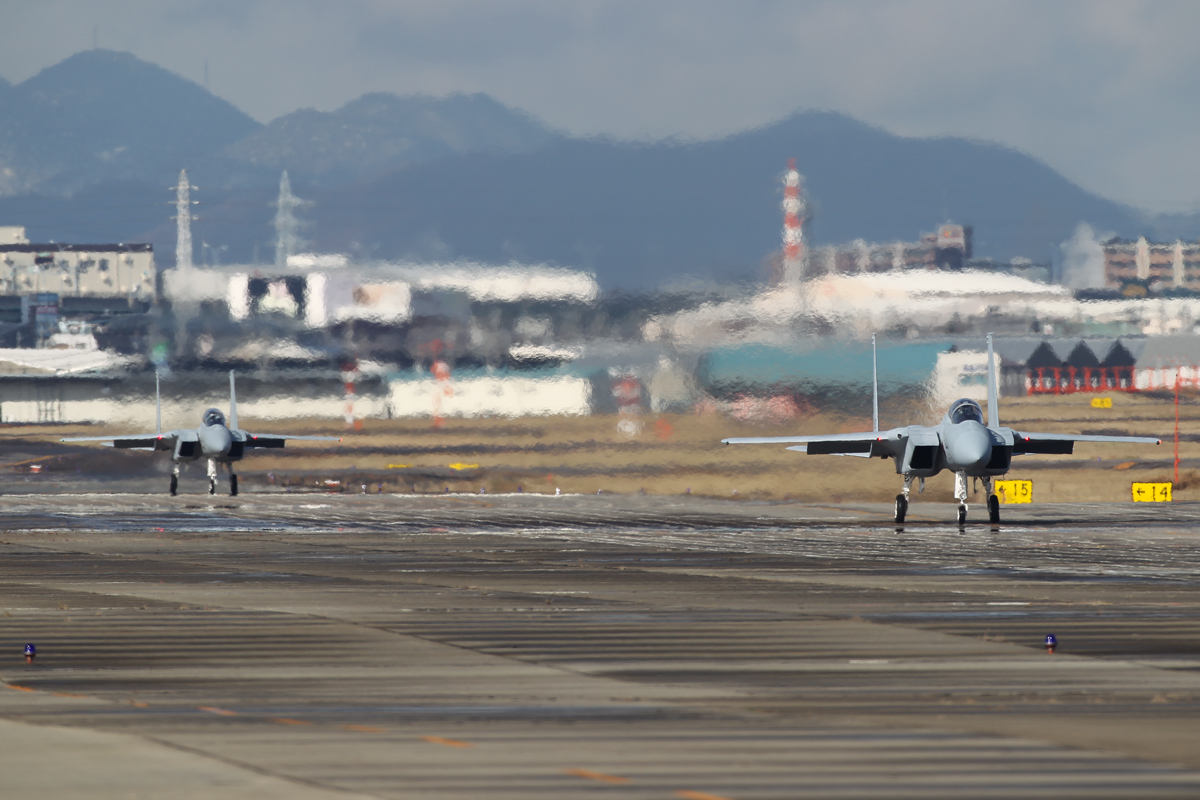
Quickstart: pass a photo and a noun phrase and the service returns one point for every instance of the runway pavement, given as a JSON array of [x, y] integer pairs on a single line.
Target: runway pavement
[[531, 646]]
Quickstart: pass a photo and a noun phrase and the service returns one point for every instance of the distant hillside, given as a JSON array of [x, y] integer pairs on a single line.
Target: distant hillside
[[88, 147], [641, 214], [103, 116], [381, 132]]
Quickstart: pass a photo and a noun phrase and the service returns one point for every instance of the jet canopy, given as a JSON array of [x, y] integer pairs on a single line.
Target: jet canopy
[[965, 410], [214, 417]]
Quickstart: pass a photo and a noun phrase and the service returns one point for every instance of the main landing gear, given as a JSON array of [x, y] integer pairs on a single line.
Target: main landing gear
[[960, 494], [902, 498], [212, 479], [993, 502]]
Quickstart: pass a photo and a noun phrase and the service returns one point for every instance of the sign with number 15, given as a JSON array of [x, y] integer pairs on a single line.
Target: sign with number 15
[[1014, 491]]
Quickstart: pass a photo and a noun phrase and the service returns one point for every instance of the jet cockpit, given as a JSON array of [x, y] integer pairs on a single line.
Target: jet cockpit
[[965, 410]]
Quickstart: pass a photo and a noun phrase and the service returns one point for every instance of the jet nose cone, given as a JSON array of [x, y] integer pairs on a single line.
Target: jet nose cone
[[971, 447], [215, 441]]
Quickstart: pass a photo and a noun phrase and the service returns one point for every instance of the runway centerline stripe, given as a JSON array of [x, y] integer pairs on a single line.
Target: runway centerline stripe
[[687, 794], [595, 776], [447, 742], [19, 688], [288, 721], [363, 728], [224, 712]]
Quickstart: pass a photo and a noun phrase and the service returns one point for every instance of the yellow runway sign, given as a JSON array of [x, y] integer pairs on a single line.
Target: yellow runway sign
[[1011, 492], [1152, 493]]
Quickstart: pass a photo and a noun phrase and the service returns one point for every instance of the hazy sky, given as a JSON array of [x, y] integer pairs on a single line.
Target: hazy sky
[[1105, 92]]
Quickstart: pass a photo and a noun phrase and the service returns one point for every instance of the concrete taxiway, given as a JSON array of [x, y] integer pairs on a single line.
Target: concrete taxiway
[[531, 646]]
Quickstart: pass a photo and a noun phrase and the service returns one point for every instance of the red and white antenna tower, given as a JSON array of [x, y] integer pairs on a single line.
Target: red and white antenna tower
[[793, 231]]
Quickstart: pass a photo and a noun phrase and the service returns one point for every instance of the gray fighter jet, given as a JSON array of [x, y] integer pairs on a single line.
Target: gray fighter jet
[[214, 440], [961, 443]]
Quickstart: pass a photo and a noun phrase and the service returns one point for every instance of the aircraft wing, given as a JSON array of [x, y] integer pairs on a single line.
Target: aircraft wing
[[867, 444], [138, 441], [1063, 444], [265, 440]]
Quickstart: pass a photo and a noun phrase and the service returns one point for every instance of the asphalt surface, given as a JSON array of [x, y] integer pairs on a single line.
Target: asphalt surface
[[531, 646]]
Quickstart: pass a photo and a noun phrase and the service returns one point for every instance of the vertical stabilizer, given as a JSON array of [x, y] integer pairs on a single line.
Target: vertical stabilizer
[[874, 386], [233, 423], [993, 418], [157, 407]]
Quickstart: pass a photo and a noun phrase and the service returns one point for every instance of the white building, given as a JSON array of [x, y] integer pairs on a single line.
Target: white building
[[324, 290], [75, 270]]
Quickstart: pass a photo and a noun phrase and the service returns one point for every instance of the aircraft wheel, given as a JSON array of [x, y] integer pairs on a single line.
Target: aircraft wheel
[[174, 485], [901, 507], [994, 509], [212, 486], [233, 485], [962, 514]]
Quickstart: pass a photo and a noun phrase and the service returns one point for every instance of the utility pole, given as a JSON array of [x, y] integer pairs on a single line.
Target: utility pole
[[287, 227]]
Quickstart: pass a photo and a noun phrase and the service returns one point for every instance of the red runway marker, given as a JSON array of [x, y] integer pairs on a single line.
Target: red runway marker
[[447, 742], [596, 776]]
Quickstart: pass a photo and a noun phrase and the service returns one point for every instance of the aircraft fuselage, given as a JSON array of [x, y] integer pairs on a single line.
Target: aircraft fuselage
[[214, 440], [963, 445]]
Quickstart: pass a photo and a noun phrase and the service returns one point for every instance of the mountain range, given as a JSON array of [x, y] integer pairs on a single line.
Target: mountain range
[[89, 146]]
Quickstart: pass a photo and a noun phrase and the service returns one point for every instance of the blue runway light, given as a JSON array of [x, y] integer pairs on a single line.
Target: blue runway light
[[30, 652], [1051, 642]]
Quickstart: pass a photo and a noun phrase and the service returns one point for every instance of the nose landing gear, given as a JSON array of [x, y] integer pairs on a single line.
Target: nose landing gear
[[960, 494]]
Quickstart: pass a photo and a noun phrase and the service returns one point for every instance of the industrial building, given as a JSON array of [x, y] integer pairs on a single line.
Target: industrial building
[[52, 294], [1141, 266], [124, 271], [949, 247], [1036, 366]]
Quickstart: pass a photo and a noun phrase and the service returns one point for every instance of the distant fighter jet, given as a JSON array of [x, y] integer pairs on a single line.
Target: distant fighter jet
[[960, 443], [213, 440]]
